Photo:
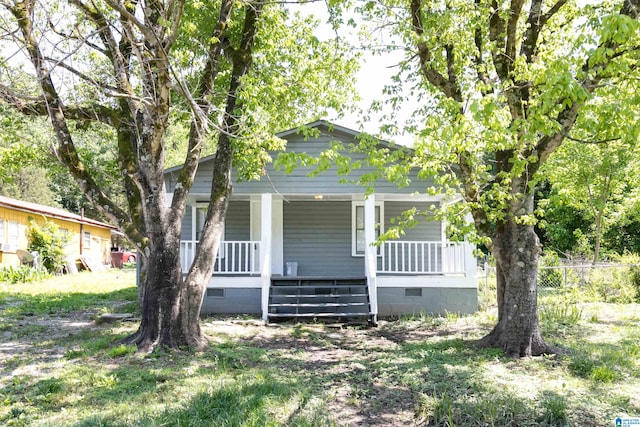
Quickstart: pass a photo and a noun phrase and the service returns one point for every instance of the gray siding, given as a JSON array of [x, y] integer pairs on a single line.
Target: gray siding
[[327, 182], [433, 301], [317, 235], [237, 223], [424, 230], [187, 220], [235, 300]]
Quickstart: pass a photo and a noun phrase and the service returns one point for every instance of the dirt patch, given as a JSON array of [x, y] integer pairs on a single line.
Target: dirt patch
[[33, 340], [353, 361], [352, 366]]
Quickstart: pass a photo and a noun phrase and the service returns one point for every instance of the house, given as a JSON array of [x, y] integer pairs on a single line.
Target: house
[[85, 236], [300, 246]]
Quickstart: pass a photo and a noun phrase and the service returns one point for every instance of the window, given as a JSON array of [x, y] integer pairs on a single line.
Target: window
[[413, 292], [200, 217], [86, 240], [215, 293], [9, 235], [358, 233], [13, 232]]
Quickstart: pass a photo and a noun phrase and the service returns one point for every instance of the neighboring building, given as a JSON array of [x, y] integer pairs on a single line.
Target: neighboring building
[[299, 246], [85, 236]]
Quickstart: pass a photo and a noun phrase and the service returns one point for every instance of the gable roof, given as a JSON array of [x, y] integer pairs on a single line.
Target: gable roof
[[51, 212], [328, 127], [322, 125]]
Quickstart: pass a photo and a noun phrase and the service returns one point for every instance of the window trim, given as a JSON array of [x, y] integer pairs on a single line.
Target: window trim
[[198, 207], [13, 239], [360, 203], [2, 231], [86, 240]]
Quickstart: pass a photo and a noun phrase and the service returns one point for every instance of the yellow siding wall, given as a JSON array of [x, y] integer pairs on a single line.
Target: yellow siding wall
[[98, 249]]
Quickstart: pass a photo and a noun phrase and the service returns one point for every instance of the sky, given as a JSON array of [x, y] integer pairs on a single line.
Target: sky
[[375, 73]]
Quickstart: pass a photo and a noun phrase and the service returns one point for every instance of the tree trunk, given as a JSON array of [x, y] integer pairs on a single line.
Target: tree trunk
[[516, 249], [598, 237], [162, 289]]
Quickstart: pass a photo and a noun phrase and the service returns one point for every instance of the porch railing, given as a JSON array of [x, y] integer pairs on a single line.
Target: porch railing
[[234, 257], [414, 257]]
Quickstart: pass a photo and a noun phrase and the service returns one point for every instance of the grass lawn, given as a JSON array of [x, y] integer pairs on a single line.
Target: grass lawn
[[60, 368]]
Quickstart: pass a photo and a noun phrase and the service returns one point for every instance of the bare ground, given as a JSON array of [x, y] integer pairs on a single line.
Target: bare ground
[[343, 354]]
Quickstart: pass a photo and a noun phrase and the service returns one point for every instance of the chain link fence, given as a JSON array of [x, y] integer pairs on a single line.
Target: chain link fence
[[600, 282]]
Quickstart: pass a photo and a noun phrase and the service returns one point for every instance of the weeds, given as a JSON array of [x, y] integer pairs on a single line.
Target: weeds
[[22, 274], [417, 370], [555, 410], [560, 314], [121, 350]]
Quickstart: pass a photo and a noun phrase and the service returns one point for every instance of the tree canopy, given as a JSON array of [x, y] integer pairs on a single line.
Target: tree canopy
[[142, 77], [500, 87]]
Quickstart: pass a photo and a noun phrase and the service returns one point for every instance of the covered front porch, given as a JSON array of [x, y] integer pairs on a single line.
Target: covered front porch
[[271, 237]]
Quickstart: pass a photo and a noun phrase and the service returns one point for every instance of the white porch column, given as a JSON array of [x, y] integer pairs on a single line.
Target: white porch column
[[265, 250], [371, 252], [194, 220], [277, 243]]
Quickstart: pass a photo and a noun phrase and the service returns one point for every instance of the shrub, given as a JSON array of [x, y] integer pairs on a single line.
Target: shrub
[[550, 277], [620, 284], [49, 242], [631, 275]]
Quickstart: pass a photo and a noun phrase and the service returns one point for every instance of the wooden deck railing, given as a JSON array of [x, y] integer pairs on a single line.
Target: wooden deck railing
[[234, 257], [419, 257]]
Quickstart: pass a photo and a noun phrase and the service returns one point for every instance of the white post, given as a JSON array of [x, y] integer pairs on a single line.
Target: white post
[[192, 245], [470, 262], [265, 251], [277, 230], [255, 234], [194, 221], [371, 252]]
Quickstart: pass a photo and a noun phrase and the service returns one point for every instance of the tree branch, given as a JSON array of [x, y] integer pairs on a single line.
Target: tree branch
[[71, 36], [66, 151], [201, 107], [568, 116], [479, 59], [117, 55], [448, 87], [114, 90], [471, 189], [37, 106], [175, 10], [222, 164], [584, 141], [512, 33], [131, 18], [496, 36]]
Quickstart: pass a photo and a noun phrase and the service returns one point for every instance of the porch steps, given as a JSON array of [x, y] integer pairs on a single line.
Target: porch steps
[[300, 297]]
